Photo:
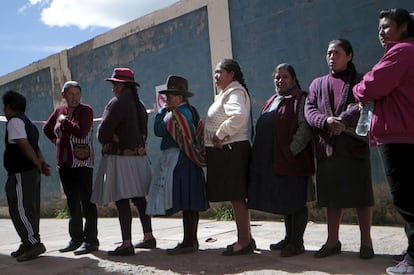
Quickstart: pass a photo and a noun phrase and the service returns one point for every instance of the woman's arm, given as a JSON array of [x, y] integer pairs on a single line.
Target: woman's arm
[[237, 109], [385, 76]]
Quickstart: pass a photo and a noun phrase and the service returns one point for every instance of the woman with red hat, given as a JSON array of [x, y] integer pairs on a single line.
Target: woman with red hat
[[124, 174]]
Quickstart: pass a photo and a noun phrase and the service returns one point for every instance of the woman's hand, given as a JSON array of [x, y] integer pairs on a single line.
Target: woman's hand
[[218, 143], [45, 169], [62, 117], [335, 125]]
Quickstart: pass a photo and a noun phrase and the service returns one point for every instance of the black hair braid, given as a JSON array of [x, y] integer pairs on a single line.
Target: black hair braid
[[352, 68], [243, 83], [142, 116]]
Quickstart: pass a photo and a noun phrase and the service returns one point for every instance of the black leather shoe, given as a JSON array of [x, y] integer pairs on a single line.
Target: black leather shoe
[[181, 249], [86, 248], [148, 244], [248, 249], [252, 244], [32, 252], [366, 252], [279, 246], [291, 250], [22, 248], [70, 247], [325, 251], [122, 251]]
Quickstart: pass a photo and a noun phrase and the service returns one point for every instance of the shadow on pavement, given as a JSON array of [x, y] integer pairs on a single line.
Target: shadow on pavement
[[49, 265], [210, 261]]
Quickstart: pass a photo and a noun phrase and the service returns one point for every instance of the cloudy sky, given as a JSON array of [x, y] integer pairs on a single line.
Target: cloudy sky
[[34, 29]]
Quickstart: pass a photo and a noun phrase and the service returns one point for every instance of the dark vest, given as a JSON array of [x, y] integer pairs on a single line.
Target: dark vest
[[286, 125], [14, 160]]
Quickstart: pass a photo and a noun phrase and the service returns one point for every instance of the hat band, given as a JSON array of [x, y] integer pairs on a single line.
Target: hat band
[[123, 77]]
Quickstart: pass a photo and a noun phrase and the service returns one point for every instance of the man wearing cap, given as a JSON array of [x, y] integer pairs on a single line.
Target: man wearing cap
[[69, 127]]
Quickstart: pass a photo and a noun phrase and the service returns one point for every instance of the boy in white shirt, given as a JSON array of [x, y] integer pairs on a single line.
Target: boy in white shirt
[[24, 162]]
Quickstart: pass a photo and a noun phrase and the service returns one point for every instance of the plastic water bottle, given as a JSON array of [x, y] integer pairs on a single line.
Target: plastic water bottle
[[364, 121]]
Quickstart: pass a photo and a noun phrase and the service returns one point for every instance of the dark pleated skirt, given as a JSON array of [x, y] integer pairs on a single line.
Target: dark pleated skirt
[[189, 188], [227, 172], [344, 182]]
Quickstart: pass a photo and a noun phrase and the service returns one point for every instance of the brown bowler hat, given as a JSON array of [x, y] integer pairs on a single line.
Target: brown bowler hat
[[177, 85]]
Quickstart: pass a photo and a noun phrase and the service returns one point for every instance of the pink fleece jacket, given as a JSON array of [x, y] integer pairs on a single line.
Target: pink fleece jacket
[[390, 84]]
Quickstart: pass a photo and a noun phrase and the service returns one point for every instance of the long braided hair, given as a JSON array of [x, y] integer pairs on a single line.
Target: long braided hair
[[141, 111]]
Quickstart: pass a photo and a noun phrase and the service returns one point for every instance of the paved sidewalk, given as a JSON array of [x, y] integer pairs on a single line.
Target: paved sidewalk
[[168, 231]]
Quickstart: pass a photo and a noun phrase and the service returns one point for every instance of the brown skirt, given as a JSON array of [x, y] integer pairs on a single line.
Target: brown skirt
[[344, 182], [227, 172]]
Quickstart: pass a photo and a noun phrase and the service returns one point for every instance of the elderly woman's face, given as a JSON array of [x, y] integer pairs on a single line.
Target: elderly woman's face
[[389, 31], [283, 80], [72, 95], [222, 77]]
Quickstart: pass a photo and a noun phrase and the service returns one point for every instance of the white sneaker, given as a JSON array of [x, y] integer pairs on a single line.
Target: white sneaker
[[401, 268]]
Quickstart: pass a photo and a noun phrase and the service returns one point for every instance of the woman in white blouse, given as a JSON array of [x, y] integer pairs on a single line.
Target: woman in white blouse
[[228, 150]]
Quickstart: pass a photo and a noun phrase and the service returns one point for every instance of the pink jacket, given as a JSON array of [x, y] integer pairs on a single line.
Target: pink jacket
[[390, 84]]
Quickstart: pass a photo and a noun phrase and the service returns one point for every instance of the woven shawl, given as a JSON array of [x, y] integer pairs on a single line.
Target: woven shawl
[[188, 136]]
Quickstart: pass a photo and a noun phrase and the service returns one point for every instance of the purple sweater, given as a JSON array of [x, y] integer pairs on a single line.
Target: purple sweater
[[320, 105], [390, 84], [122, 118], [74, 130]]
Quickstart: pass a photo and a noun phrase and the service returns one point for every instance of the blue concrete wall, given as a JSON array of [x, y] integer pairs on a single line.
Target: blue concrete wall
[[179, 46], [266, 33]]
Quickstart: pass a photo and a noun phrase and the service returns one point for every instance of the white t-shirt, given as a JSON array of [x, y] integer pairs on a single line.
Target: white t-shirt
[[16, 130]]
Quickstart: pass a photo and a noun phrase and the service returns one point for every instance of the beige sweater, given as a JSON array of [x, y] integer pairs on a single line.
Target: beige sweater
[[228, 116]]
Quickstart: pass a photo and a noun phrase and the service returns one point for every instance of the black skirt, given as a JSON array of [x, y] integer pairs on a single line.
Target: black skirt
[[344, 182], [227, 171]]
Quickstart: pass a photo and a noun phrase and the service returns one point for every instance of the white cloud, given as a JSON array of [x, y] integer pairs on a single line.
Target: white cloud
[[32, 3], [94, 13]]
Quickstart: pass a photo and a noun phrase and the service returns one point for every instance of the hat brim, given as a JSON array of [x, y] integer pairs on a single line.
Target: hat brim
[[122, 81], [177, 92]]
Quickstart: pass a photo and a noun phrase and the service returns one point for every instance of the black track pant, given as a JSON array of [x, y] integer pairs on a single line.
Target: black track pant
[[23, 197]]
